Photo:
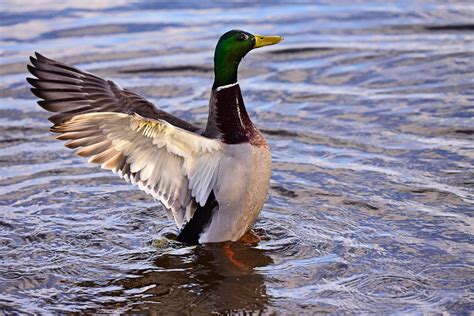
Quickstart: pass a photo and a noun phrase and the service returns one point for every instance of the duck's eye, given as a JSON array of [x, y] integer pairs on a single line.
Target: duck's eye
[[243, 37]]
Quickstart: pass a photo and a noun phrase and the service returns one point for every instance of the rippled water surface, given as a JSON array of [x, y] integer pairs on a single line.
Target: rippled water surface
[[369, 112]]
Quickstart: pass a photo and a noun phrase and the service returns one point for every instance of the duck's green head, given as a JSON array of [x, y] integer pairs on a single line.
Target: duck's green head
[[230, 50]]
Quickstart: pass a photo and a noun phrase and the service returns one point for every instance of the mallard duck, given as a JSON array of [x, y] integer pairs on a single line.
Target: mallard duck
[[213, 182]]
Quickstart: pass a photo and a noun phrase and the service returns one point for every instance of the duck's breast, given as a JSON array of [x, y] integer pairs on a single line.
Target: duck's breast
[[241, 189]]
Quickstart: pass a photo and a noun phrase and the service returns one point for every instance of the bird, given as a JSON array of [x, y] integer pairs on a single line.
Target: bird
[[212, 181]]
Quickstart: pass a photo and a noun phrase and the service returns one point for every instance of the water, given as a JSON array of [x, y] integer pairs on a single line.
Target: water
[[368, 109]]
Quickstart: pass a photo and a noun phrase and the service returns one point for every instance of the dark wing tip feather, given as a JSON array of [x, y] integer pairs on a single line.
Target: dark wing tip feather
[[60, 117], [32, 70], [36, 91], [44, 104], [36, 63], [41, 57], [32, 60], [32, 81]]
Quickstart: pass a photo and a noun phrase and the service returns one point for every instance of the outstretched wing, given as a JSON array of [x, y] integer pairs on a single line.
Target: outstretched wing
[[118, 129], [176, 166], [69, 91]]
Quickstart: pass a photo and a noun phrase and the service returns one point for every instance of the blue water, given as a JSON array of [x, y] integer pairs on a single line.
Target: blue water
[[369, 112]]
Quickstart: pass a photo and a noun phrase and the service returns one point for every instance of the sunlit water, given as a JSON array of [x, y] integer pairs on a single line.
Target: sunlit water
[[369, 112]]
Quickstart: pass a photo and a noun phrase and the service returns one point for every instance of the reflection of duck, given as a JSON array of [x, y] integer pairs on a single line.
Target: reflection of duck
[[201, 280], [213, 181]]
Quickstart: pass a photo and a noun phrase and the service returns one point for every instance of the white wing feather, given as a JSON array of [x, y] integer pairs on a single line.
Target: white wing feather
[[169, 163]]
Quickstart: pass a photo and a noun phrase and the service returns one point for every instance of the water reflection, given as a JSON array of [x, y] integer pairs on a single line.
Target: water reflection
[[210, 278]]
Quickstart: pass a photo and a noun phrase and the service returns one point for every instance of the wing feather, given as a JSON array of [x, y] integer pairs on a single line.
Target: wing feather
[[69, 91], [174, 165]]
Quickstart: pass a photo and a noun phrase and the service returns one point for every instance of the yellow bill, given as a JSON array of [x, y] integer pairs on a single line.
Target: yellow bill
[[261, 41]]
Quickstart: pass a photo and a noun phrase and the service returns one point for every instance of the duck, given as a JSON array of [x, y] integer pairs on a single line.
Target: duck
[[212, 181]]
